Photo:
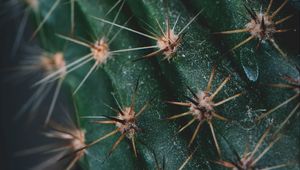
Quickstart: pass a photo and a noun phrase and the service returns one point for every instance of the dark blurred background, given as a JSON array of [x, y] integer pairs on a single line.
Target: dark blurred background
[[17, 134]]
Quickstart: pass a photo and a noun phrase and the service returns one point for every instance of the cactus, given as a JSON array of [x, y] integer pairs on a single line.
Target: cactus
[[163, 84]]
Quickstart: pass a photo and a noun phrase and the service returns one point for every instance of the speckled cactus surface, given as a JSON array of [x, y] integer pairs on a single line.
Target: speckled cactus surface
[[157, 84]]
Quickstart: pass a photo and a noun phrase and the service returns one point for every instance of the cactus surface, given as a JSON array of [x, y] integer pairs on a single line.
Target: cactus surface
[[153, 84]]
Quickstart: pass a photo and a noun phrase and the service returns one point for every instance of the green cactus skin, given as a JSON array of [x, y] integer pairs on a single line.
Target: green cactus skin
[[157, 143]]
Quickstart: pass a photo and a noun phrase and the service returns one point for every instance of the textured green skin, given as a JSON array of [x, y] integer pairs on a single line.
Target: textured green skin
[[221, 17], [165, 80]]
